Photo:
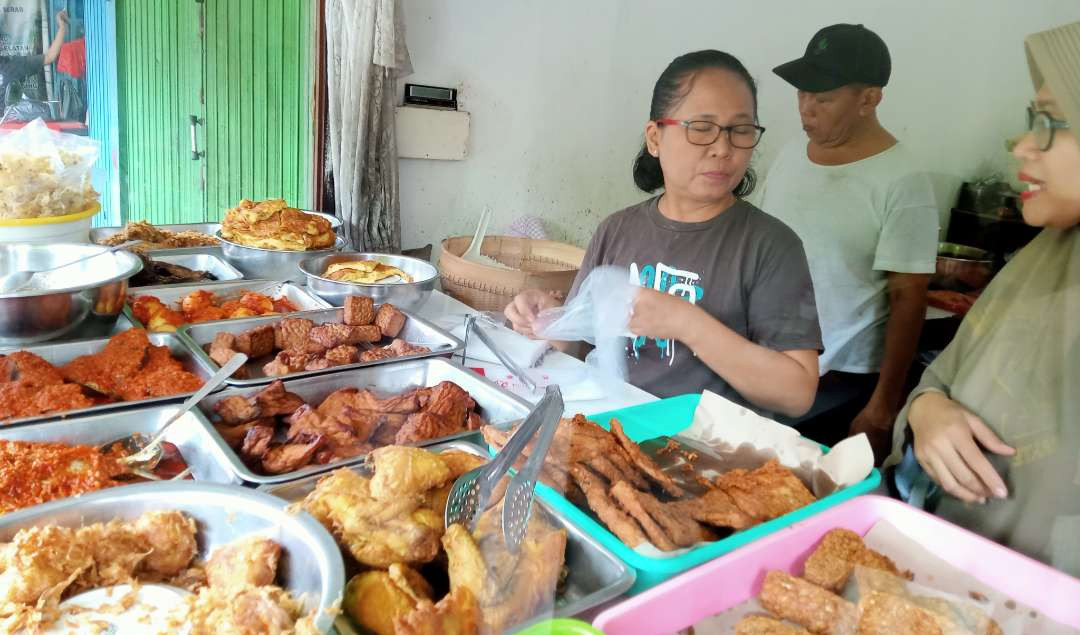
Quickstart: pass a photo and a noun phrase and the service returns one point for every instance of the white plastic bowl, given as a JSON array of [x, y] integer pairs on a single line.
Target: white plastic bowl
[[70, 228]]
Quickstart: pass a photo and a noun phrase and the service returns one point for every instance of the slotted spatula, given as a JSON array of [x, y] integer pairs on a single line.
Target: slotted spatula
[[471, 492]]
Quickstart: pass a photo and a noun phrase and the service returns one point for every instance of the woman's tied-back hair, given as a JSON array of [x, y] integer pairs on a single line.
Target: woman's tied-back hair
[[673, 85]]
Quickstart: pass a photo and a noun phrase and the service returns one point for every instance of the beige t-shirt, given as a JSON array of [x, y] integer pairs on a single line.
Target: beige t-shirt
[[743, 267], [857, 221]]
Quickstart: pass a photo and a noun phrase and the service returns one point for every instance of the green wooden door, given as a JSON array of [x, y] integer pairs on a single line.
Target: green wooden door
[[159, 72], [245, 68]]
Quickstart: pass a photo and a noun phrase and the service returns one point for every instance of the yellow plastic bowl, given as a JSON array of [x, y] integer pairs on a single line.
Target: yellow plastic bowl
[[67, 228]]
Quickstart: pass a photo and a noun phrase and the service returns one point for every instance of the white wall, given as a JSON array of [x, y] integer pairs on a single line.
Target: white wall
[[559, 92]]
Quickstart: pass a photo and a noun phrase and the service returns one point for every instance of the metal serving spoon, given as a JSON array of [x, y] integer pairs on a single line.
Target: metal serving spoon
[[148, 454], [16, 280]]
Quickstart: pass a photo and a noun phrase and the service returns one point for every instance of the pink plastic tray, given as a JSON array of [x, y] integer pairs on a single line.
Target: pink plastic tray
[[736, 577]]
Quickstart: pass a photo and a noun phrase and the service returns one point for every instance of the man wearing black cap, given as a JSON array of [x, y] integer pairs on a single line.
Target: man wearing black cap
[[869, 224]]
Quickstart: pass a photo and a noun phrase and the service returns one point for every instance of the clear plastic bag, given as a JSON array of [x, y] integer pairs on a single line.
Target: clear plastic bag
[[599, 314], [45, 173]]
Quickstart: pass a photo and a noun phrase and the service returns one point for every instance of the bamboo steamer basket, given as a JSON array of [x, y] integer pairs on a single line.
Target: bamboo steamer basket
[[534, 264]]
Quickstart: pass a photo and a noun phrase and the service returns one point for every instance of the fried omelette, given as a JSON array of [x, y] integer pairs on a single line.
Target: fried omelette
[[272, 224], [364, 271]]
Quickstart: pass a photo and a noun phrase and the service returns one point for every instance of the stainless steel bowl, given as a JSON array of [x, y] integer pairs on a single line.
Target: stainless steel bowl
[[406, 295], [962, 268], [90, 295], [311, 567], [271, 264]]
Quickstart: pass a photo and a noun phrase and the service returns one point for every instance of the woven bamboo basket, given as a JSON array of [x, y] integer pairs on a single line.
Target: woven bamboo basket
[[534, 264]]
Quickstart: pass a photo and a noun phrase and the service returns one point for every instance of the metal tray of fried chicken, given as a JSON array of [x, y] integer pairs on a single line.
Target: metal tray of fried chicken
[[594, 574], [201, 450], [172, 294], [494, 405], [416, 332], [310, 568], [62, 353]]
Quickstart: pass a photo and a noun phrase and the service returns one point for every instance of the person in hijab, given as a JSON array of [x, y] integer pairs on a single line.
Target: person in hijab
[[995, 420]]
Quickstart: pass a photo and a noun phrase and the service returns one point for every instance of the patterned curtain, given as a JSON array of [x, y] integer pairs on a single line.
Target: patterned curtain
[[366, 54]]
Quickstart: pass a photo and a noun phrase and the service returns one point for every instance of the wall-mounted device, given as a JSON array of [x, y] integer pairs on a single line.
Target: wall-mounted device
[[435, 96]]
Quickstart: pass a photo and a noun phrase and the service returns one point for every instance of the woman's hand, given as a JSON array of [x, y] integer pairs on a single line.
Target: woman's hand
[[945, 445], [526, 306], [661, 316]]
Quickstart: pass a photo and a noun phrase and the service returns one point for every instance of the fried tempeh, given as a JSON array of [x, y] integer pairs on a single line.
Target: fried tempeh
[[619, 522], [681, 529], [628, 499], [715, 508], [884, 613], [764, 625], [644, 463], [806, 604], [768, 492], [831, 564]]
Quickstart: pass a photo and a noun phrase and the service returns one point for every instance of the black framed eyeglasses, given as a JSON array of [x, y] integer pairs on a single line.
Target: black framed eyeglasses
[[705, 133], [1042, 125]]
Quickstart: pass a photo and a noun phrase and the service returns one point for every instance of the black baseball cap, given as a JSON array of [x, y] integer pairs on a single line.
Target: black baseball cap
[[839, 55]]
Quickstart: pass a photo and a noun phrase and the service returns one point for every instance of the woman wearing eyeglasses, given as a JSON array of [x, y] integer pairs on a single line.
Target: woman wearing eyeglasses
[[995, 420], [726, 302]]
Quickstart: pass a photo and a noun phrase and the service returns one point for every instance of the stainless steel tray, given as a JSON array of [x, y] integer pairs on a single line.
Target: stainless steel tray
[[494, 404], [416, 331], [209, 263], [595, 574], [202, 449], [60, 354], [312, 567], [101, 233], [171, 294]]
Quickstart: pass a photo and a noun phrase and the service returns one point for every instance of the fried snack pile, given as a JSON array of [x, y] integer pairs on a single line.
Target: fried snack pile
[[235, 594], [298, 344], [128, 368], [812, 604], [364, 271], [154, 238], [347, 423], [608, 472], [393, 523], [272, 224], [202, 306]]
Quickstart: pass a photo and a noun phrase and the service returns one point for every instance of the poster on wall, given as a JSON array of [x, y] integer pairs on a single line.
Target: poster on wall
[[42, 63]]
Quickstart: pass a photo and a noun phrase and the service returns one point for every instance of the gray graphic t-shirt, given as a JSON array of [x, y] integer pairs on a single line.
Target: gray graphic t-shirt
[[744, 267]]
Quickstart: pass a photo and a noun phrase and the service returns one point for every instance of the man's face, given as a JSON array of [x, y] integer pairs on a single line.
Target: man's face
[[829, 118]]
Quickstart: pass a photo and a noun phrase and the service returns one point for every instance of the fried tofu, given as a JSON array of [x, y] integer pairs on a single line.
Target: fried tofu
[[390, 320], [359, 310], [256, 342]]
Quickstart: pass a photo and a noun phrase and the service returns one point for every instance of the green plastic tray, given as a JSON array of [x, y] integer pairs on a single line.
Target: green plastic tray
[[668, 417]]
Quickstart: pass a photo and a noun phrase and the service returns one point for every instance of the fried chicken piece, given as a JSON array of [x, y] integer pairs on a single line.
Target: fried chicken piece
[[28, 368], [160, 357], [806, 604], [762, 625], [248, 561], [459, 462], [644, 463], [450, 401], [375, 599], [883, 613], [235, 410], [256, 443], [715, 508], [359, 310], [18, 399], [262, 610], [118, 550], [234, 435], [341, 355], [632, 504], [768, 492], [162, 382], [389, 320], [386, 429], [40, 559], [405, 403], [425, 426], [290, 457], [831, 564], [619, 522], [341, 406], [455, 614], [375, 532], [171, 537], [274, 400], [339, 438], [291, 334], [403, 471], [333, 334], [507, 593]]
